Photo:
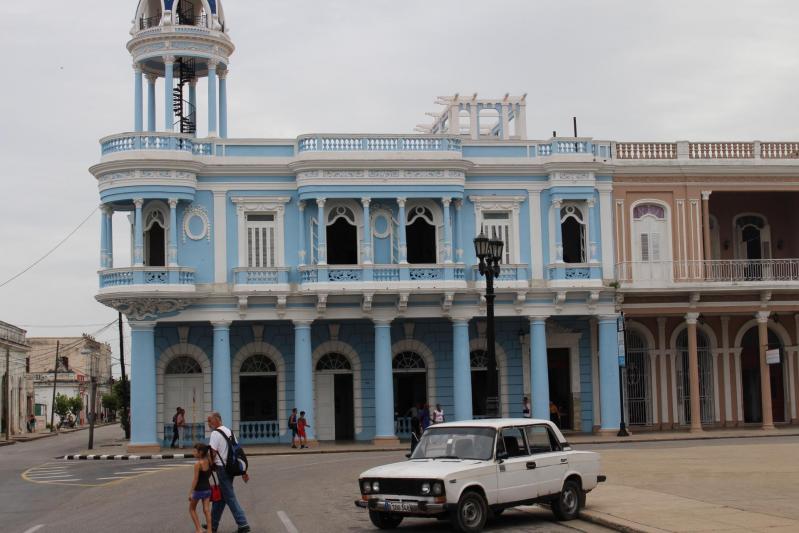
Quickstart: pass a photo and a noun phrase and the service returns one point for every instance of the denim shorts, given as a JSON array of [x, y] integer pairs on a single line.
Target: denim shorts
[[200, 494]]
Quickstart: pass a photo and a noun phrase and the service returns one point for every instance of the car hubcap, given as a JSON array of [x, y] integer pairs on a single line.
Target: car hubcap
[[470, 513], [569, 500]]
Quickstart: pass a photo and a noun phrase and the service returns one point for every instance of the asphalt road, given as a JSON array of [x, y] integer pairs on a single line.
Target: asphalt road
[[286, 494]]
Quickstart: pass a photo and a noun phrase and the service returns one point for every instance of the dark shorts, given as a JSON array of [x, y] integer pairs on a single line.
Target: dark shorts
[[201, 494]]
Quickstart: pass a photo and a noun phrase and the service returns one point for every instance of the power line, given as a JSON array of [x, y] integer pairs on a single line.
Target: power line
[[53, 249]]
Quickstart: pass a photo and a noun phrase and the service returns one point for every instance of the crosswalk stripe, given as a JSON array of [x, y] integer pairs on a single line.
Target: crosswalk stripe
[[112, 477]]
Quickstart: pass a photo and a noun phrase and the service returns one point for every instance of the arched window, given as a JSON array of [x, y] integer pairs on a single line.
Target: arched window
[[183, 365], [155, 237], [637, 379], [342, 236], [258, 364], [572, 225], [651, 248], [334, 362], [705, 377], [753, 240], [408, 362], [421, 235]]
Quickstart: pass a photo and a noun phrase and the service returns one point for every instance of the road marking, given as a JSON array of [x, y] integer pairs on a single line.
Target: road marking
[[115, 477], [51, 476], [287, 523], [34, 528]]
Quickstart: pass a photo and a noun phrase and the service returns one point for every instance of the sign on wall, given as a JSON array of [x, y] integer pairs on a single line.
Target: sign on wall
[[773, 356]]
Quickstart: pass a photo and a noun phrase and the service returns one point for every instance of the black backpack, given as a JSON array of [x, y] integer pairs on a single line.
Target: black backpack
[[236, 462]]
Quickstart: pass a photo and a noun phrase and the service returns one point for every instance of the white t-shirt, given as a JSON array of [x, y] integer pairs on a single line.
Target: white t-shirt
[[438, 416], [219, 444]]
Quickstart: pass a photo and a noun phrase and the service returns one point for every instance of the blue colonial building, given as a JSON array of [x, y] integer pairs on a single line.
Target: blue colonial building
[[336, 273]]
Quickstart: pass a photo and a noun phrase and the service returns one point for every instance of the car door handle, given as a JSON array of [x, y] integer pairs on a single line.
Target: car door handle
[[531, 465], [563, 460]]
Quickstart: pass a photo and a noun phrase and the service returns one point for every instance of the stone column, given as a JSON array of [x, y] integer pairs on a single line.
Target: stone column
[[151, 101], [110, 233], [366, 241], [104, 236], [172, 245], [222, 382], [321, 233], [609, 374], [593, 230], [461, 370], [301, 230], [555, 221], [143, 411], [693, 373], [458, 237], [402, 245], [223, 104], [212, 98], [384, 384], [138, 235], [539, 369], [765, 371], [137, 99], [447, 231], [303, 373], [169, 115], [707, 250]]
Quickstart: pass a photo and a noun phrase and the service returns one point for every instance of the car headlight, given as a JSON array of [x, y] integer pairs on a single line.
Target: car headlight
[[375, 486], [425, 488], [438, 488], [365, 486]]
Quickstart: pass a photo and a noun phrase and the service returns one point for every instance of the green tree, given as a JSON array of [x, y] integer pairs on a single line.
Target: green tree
[[121, 389], [76, 405], [110, 401], [62, 405]]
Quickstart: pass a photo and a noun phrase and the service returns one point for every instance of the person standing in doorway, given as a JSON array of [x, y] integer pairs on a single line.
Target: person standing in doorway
[[527, 412], [424, 416], [293, 427], [554, 413], [438, 414], [219, 447], [178, 420], [302, 423]]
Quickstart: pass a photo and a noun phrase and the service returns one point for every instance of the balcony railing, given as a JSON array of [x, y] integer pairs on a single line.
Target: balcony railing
[[711, 271], [126, 142], [261, 276], [383, 143], [706, 150], [188, 435], [126, 277], [259, 431], [574, 272], [511, 272], [381, 273]]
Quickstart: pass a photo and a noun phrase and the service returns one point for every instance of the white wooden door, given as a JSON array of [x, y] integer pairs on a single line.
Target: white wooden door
[[651, 251], [186, 391], [325, 415]]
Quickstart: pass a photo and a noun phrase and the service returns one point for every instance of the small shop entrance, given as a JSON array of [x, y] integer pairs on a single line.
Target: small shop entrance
[[560, 392]]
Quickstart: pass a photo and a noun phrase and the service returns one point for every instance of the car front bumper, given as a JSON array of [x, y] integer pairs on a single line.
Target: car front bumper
[[402, 507]]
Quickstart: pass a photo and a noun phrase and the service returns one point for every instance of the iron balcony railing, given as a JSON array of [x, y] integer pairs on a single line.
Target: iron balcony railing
[[711, 271]]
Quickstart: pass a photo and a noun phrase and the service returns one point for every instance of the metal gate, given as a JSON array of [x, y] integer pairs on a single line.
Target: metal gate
[[705, 378], [637, 380]]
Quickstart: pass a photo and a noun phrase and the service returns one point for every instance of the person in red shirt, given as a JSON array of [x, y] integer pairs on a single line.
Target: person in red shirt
[[302, 423]]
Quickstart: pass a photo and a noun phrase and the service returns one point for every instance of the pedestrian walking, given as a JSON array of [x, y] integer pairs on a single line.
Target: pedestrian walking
[[438, 414], [32, 424], [424, 416], [302, 423], [219, 447], [293, 427], [201, 487], [526, 410], [178, 420]]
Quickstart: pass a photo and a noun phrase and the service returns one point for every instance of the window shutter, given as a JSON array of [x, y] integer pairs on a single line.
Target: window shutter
[[654, 241], [645, 247]]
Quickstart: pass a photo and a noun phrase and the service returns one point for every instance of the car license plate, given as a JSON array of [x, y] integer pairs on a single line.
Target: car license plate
[[402, 507]]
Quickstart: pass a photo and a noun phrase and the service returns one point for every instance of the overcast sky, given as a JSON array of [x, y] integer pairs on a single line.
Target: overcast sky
[[629, 70]]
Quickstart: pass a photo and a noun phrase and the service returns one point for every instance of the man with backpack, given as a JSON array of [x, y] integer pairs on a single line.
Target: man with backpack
[[229, 462]]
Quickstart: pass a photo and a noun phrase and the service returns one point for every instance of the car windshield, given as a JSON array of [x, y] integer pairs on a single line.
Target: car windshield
[[456, 443]]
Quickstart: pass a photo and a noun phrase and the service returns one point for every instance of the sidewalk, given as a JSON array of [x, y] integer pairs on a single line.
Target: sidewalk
[[680, 435]]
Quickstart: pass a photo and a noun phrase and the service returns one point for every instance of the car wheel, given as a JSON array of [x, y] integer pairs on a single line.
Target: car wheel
[[384, 520], [471, 514], [568, 503]]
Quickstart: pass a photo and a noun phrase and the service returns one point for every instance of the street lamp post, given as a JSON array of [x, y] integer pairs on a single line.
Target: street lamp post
[[489, 254]]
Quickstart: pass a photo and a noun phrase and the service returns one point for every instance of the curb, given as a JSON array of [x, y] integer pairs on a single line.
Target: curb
[[167, 456], [616, 524], [28, 437], [7, 442], [681, 439]]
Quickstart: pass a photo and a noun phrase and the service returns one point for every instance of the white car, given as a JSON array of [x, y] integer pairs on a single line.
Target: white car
[[468, 471]]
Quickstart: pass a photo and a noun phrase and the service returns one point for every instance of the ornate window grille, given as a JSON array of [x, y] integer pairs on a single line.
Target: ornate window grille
[[258, 364], [183, 365], [334, 362], [408, 362]]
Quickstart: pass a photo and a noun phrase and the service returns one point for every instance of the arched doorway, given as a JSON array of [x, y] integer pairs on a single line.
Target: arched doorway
[[706, 394], [651, 243], [410, 388], [573, 238], [155, 237], [342, 236], [479, 367], [750, 378], [421, 236], [183, 387], [637, 379], [258, 397], [335, 410]]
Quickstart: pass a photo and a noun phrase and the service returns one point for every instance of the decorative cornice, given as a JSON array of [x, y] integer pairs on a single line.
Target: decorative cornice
[[142, 308]]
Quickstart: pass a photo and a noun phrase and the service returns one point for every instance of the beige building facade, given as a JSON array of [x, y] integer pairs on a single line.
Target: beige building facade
[[16, 399]]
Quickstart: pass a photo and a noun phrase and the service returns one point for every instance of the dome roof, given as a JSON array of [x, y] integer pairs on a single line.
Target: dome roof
[[170, 4]]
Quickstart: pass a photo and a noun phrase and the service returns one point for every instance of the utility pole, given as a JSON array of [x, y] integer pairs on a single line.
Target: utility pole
[[55, 382], [93, 412], [125, 420], [7, 395]]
